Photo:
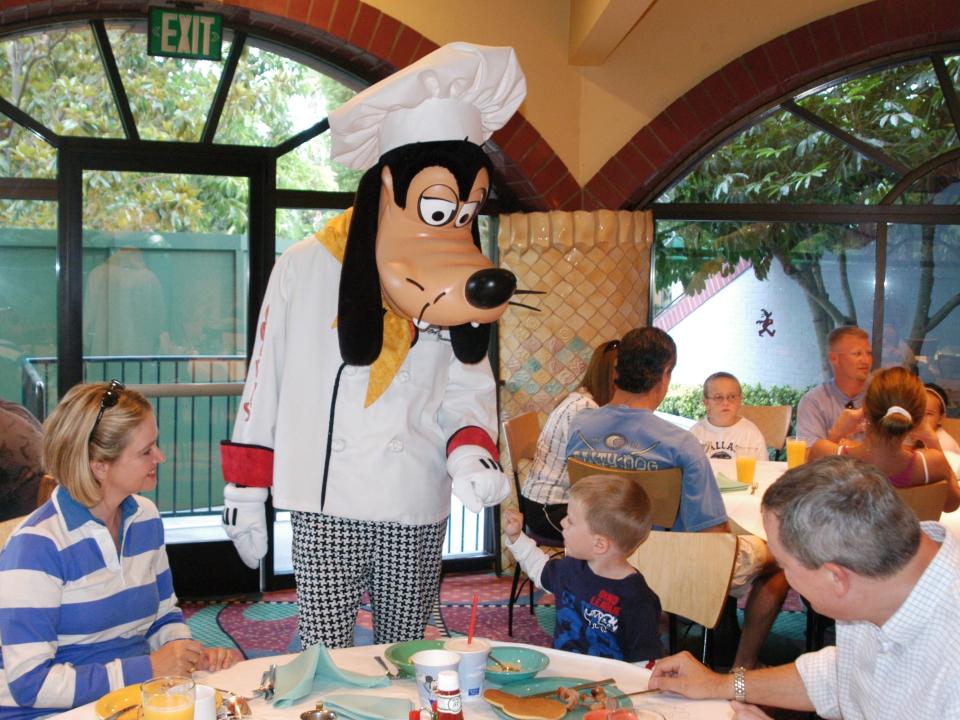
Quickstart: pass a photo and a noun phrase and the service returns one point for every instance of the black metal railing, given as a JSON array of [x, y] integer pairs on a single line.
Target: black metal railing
[[195, 400]]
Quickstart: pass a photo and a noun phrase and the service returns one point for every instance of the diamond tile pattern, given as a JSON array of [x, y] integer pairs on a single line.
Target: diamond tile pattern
[[595, 269]]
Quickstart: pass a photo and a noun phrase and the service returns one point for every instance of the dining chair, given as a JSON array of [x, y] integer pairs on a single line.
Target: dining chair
[[952, 427], [926, 501], [691, 574], [7, 527], [521, 433], [773, 422], [662, 486]]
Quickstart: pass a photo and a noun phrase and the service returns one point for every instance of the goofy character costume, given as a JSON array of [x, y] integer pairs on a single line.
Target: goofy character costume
[[369, 396]]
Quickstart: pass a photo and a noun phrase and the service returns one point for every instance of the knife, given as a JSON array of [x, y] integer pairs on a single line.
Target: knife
[[122, 711]]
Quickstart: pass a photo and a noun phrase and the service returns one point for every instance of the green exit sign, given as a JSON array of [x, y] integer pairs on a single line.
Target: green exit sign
[[184, 34]]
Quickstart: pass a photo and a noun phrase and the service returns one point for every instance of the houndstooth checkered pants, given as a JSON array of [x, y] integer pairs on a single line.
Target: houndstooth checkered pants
[[335, 559]]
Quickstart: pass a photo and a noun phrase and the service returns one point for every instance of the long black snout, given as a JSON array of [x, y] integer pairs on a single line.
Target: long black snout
[[491, 287]]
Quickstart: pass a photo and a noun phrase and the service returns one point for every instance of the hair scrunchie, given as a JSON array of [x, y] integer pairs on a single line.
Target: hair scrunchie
[[897, 410]]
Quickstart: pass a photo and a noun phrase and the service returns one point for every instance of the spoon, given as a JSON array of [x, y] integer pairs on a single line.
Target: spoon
[[501, 665]]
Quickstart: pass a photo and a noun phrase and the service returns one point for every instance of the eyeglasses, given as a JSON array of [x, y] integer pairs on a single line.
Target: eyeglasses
[[111, 396], [733, 397]]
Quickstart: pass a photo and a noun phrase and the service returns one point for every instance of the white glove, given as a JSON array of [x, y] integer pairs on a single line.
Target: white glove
[[478, 479], [245, 521]]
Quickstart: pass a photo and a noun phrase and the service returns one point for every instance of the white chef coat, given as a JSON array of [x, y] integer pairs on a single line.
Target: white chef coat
[[387, 462]]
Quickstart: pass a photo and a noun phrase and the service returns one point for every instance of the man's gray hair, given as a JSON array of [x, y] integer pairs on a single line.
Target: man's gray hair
[[841, 510]]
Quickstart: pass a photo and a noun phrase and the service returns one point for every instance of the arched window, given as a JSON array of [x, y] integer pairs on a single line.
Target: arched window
[[838, 206], [142, 202]]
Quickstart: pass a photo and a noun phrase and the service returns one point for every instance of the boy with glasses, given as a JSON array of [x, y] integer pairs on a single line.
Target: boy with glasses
[[723, 434]]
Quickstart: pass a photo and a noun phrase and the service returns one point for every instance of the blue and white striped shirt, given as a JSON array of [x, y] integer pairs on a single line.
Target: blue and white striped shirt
[[77, 618]]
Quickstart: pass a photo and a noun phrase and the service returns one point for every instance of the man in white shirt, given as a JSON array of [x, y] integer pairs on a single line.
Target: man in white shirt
[[849, 544]]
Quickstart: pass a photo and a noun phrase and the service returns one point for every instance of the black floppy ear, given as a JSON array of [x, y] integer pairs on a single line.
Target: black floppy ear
[[360, 309], [470, 343]]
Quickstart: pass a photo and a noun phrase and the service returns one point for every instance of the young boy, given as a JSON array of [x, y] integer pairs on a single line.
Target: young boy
[[604, 606], [722, 433]]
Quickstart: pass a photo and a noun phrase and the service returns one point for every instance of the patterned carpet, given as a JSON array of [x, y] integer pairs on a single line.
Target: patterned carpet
[[267, 624]]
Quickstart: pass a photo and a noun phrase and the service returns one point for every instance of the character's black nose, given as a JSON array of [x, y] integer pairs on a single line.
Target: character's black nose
[[490, 288]]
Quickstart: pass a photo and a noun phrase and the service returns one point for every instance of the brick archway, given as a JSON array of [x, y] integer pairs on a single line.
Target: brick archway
[[363, 40], [373, 44], [766, 75]]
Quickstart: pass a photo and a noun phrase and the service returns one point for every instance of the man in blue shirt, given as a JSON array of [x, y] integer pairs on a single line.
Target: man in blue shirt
[[834, 410], [626, 434]]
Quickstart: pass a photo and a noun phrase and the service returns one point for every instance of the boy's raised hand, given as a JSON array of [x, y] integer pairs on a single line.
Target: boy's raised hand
[[512, 524]]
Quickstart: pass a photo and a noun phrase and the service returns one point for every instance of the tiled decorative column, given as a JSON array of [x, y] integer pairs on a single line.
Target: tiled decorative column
[[595, 270]]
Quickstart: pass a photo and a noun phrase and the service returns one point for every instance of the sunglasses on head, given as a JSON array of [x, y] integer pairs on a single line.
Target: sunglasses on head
[[110, 397]]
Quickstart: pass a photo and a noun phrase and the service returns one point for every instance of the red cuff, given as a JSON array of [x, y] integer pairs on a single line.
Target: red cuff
[[247, 465], [472, 435]]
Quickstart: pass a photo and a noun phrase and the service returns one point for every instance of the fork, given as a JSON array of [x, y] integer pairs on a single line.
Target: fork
[[267, 681], [382, 663]]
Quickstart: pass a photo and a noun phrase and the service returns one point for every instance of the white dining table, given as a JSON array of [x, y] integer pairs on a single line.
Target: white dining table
[[245, 676], [743, 506]]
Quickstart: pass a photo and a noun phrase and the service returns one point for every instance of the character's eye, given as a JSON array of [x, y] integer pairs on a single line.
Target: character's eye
[[435, 211], [467, 213]]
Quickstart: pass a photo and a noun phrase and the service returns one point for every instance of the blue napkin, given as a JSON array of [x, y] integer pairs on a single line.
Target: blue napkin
[[313, 671], [367, 707]]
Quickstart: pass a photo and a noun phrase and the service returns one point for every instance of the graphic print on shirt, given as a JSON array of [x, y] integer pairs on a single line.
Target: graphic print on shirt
[[616, 451], [720, 449], [589, 627]]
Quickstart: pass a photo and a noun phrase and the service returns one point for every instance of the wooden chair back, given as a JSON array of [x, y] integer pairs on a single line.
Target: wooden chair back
[[662, 486], [45, 489], [521, 432], [690, 572], [772, 420], [925, 500], [7, 527], [952, 426]]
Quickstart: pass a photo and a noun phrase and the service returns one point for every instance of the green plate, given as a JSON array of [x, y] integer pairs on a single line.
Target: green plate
[[542, 684], [530, 661], [399, 654]]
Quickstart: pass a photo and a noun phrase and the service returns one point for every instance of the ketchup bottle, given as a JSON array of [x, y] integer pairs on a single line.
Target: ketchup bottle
[[449, 706]]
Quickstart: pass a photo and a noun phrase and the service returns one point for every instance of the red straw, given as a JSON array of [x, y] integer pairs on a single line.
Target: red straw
[[473, 618]]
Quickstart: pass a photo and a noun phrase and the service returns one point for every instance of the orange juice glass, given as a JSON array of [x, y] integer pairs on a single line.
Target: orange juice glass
[[796, 452], [746, 467], [168, 698]]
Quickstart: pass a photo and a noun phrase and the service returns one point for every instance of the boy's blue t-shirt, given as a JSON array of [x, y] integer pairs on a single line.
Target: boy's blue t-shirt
[[598, 616]]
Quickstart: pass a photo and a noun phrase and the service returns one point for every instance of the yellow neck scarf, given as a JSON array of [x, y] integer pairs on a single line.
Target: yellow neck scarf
[[397, 330]]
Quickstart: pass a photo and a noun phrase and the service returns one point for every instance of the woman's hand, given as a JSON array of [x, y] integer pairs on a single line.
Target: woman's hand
[[214, 659], [177, 657], [850, 422]]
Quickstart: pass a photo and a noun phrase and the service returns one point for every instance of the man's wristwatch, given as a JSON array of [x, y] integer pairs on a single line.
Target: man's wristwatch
[[739, 684]]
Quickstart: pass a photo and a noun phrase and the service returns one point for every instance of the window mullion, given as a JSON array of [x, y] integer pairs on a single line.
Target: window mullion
[[223, 88], [113, 78]]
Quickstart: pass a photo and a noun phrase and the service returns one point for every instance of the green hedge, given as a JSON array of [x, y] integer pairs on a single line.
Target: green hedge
[[687, 400]]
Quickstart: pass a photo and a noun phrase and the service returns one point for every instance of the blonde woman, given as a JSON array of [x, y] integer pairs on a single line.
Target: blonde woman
[[894, 405], [86, 597]]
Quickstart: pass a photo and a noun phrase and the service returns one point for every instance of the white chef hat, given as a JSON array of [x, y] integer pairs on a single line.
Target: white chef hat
[[458, 92]]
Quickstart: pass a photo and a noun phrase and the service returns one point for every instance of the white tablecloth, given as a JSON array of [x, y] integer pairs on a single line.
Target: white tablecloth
[[246, 675], [743, 507]]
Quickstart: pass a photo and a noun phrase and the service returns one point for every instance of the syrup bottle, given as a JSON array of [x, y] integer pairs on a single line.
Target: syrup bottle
[[449, 706]]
